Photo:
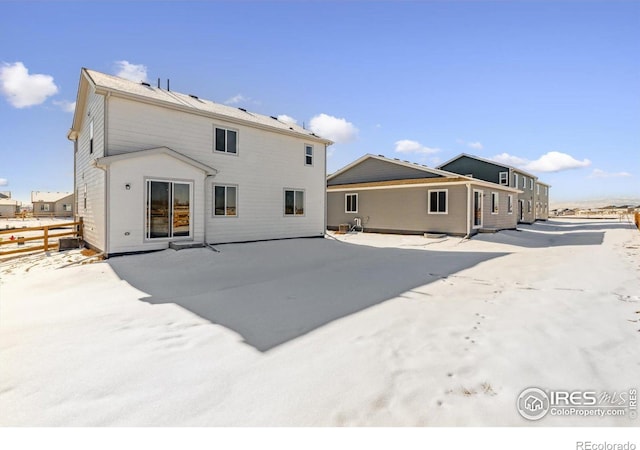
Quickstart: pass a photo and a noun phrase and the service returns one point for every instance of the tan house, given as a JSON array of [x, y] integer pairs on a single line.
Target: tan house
[[379, 194], [52, 204]]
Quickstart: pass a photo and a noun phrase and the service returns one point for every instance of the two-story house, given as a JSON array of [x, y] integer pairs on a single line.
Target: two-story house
[[505, 175], [386, 195], [154, 166]]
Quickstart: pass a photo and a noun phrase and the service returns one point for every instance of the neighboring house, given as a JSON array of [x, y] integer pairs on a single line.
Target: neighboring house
[[542, 200], [153, 166], [505, 175], [9, 208], [52, 204], [392, 196], [5, 194]]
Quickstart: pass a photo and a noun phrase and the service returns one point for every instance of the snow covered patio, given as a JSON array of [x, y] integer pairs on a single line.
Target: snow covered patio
[[360, 329]]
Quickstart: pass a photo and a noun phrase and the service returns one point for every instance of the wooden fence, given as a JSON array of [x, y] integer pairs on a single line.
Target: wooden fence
[[636, 217], [46, 236]]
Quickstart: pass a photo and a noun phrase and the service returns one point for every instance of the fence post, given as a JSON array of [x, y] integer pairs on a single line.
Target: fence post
[[80, 228], [46, 238]]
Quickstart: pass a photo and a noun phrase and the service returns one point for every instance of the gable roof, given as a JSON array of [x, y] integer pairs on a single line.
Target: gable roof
[[429, 170], [107, 160], [9, 201], [495, 163], [103, 84], [48, 197]]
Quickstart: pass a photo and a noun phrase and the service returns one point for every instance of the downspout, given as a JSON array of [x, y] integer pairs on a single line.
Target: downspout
[[106, 205], [468, 211]]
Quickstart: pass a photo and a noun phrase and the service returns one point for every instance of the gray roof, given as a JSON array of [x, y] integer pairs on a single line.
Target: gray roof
[[48, 197], [487, 160], [115, 84]]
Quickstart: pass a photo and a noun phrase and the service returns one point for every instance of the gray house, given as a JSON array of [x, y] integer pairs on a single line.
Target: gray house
[[379, 194], [52, 204], [531, 205]]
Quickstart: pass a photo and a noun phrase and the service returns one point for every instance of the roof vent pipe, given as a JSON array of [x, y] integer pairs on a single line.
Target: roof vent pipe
[[158, 82], [168, 85]]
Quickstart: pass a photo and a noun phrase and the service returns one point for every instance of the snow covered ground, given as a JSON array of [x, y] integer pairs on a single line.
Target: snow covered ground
[[358, 329]]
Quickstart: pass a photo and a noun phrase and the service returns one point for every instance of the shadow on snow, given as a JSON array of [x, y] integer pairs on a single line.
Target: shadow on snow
[[275, 291]]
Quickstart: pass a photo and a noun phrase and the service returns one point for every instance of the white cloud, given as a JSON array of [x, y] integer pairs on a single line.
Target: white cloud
[[4, 182], [133, 72], [236, 99], [287, 119], [409, 146], [597, 173], [506, 158], [22, 89], [65, 105], [475, 145], [338, 130], [556, 162], [549, 162]]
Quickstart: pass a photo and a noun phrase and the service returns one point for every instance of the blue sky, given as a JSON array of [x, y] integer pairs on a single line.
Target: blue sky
[[552, 87]]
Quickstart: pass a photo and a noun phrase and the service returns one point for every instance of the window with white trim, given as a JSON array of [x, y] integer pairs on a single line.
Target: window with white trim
[[494, 203], [515, 180], [529, 206], [504, 178], [531, 184], [546, 190], [524, 182], [308, 155], [66, 207], [225, 200], [510, 204], [44, 207], [437, 202], [91, 137], [294, 202], [225, 140], [538, 189], [351, 203]]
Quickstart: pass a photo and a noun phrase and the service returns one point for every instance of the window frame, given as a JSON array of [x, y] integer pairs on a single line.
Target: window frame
[[529, 205], [226, 140], [503, 178], [531, 184], [284, 201], [495, 203], [446, 201], [346, 202], [509, 203], [226, 187], [515, 180], [307, 155], [91, 137], [45, 207], [524, 182]]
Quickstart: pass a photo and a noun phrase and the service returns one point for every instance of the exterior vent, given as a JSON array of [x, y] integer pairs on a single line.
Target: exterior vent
[[193, 96], [274, 117], [382, 156], [145, 84], [242, 109]]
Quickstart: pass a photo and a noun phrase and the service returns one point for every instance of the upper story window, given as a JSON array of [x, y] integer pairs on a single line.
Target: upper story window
[[524, 182], [531, 183], [546, 190], [494, 203], [437, 202], [91, 137], [351, 203], [515, 180], [308, 155], [504, 178], [225, 140], [538, 189]]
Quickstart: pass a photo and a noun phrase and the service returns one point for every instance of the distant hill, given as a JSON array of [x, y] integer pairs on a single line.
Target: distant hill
[[596, 203]]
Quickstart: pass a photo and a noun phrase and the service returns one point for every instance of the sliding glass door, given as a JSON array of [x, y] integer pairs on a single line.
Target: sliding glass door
[[168, 212]]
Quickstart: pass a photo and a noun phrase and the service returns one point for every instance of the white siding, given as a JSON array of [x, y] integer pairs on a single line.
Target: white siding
[[266, 164], [128, 206], [94, 179]]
